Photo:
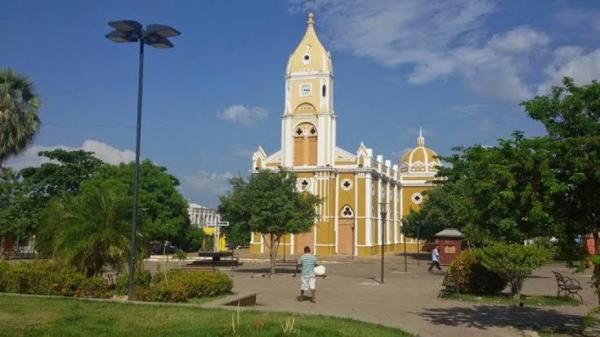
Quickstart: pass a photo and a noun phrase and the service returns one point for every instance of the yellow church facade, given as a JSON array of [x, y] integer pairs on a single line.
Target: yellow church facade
[[356, 188]]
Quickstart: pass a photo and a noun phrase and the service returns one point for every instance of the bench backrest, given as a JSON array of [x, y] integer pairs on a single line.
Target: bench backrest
[[560, 278]]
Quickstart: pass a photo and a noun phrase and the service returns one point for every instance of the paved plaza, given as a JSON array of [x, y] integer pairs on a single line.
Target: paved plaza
[[408, 300]]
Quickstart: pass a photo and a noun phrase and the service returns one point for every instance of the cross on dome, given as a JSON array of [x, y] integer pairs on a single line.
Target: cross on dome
[[420, 139]]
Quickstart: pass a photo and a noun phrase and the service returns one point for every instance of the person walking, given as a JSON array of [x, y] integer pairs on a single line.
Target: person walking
[[435, 258], [307, 279]]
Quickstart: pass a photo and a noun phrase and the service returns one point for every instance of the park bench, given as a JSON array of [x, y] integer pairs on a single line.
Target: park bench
[[215, 259], [568, 286]]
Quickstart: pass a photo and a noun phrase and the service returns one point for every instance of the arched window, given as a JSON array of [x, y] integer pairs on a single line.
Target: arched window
[[305, 144], [324, 90]]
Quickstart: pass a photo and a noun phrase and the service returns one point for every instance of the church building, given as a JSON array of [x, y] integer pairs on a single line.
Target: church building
[[364, 196]]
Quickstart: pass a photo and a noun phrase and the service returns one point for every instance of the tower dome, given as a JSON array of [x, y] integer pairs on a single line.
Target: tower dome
[[420, 160]]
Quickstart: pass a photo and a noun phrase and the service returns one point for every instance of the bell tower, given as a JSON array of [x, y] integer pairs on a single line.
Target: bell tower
[[308, 121]]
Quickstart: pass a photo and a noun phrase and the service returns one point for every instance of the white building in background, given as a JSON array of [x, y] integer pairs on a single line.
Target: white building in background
[[207, 219], [201, 216]]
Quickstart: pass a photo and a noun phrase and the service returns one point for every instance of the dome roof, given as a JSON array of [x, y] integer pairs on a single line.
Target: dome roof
[[420, 160]]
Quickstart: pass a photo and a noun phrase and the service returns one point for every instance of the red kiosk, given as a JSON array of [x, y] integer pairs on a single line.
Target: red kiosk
[[450, 241]]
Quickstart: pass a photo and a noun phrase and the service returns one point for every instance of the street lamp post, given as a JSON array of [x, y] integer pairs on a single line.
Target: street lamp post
[[156, 36], [383, 207]]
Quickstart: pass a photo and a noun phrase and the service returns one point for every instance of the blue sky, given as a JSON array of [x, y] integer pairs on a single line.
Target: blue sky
[[456, 68]]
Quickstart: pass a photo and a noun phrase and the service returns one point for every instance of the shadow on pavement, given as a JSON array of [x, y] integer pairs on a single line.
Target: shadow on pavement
[[424, 256], [483, 316], [278, 270]]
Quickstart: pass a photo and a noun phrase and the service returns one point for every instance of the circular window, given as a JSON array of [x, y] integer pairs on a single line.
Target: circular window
[[306, 57], [303, 184], [346, 184], [417, 198]]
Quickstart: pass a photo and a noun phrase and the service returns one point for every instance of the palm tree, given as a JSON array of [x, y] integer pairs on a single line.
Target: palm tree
[[19, 120], [89, 230]]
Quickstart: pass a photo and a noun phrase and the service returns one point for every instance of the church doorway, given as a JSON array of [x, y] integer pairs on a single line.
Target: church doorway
[[346, 236]]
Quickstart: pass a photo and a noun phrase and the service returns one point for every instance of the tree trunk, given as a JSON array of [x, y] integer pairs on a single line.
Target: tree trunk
[[595, 235], [514, 290], [273, 247]]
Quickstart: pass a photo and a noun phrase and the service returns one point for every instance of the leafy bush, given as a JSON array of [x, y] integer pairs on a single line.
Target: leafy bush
[[596, 275], [39, 277], [96, 287], [513, 262], [552, 247], [50, 278], [167, 292], [179, 286], [142, 279], [591, 323], [43, 277], [472, 277]]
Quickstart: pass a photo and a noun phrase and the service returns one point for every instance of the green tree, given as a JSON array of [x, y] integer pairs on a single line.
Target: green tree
[[19, 120], [13, 223], [233, 210], [571, 115], [58, 178], [513, 262], [163, 210], [90, 230], [64, 172], [500, 193], [270, 204], [447, 205]]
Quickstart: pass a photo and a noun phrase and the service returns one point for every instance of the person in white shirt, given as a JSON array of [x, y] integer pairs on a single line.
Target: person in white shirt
[[435, 258]]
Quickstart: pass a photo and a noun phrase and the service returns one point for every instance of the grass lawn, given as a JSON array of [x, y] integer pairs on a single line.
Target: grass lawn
[[22, 316], [535, 300]]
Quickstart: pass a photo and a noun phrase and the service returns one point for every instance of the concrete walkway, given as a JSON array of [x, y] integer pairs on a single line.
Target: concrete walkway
[[409, 300]]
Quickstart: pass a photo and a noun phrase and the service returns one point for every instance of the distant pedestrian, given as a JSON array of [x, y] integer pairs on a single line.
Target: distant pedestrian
[[307, 278], [435, 258]]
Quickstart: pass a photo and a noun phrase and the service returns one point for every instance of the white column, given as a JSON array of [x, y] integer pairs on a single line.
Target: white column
[[286, 141], [379, 222], [396, 224], [387, 211], [337, 210], [368, 215], [332, 140], [356, 210], [292, 243], [262, 244]]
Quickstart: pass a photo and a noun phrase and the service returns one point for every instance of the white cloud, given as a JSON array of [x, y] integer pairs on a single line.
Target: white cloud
[[466, 110], [242, 152], [108, 153], [576, 17], [243, 115], [574, 62], [206, 187], [102, 151], [435, 39], [518, 40]]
